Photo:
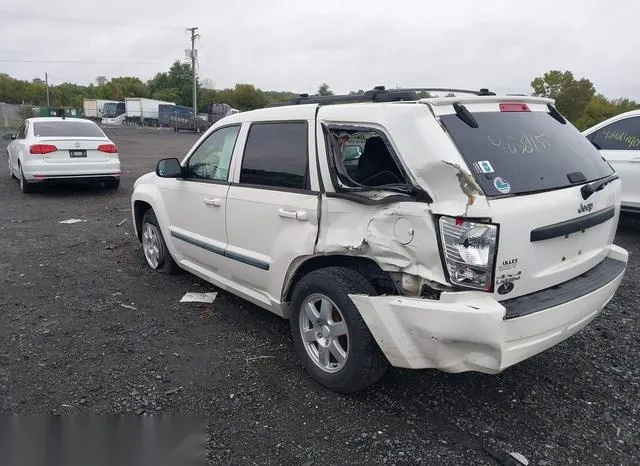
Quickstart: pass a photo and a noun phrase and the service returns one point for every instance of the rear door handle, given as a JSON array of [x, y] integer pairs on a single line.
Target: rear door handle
[[217, 202], [296, 214]]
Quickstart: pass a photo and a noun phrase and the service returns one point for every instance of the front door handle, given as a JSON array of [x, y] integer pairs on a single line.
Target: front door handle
[[217, 202], [296, 214]]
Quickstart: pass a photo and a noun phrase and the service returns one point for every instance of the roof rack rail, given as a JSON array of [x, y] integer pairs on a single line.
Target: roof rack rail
[[482, 91], [377, 94]]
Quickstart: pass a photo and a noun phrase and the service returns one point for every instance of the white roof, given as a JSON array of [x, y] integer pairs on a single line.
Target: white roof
[[41, 119]]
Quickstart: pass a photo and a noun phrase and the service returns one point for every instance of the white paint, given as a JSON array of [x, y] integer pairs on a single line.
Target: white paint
[[626, 163], [460, 331]]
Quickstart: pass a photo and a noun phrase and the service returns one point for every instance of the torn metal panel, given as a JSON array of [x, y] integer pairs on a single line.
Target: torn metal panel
[[398, 237]]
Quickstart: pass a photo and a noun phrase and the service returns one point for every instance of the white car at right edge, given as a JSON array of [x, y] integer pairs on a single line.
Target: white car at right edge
[[470, 232], [618, 140]]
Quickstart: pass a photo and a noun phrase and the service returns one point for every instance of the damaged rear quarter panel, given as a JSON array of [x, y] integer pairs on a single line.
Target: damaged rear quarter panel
[[378, 232]]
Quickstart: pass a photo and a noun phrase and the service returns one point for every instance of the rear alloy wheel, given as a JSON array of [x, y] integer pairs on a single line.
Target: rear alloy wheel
[[25, 186], [154, 248], [329, 334]]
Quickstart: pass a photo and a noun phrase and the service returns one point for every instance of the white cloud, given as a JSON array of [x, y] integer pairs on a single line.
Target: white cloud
[[351, 44]]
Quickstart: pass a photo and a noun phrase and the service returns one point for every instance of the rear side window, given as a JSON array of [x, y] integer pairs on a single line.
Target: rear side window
[[276, 154], [66, 128], [524, 152], [619, 135]]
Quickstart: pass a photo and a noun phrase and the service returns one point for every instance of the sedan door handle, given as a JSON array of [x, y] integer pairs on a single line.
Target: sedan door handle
[[217, 202], [297, 214]]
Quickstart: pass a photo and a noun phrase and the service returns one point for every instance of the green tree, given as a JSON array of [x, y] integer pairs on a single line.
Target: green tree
[[324, 89], [600, 108], [101, 80], [247, 97], [571, 95], [176, 85]]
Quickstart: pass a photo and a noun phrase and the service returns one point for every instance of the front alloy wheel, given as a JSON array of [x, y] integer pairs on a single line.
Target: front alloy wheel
[[151, 245]]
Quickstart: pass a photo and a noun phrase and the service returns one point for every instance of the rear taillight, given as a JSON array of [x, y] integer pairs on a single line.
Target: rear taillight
[[469, 250], [42, 149], [108, 148]]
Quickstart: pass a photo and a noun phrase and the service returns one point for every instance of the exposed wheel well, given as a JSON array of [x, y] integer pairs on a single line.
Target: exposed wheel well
[[139, 208], [380, 279]]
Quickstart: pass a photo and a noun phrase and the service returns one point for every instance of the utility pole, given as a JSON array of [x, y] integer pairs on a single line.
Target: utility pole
[[46, 80], [193, 68]]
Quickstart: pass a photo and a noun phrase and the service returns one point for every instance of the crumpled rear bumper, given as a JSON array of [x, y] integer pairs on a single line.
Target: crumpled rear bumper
[[467, 331]]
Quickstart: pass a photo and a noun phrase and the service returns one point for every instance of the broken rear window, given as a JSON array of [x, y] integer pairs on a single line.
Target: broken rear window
[[362, 158], [524, 152]]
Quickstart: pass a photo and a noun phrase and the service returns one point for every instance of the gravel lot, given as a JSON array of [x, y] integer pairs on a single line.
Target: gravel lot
[[85, 328]]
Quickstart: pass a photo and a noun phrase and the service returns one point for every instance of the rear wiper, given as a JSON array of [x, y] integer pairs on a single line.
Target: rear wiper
[[465, 115], [588, 189]]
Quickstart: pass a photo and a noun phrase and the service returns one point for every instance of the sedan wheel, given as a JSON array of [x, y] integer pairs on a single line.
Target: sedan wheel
[[10, 169], [25, 186]]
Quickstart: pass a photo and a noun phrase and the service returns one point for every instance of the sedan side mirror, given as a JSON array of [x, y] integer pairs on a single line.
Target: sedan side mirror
[[169, 168], [7, 136]]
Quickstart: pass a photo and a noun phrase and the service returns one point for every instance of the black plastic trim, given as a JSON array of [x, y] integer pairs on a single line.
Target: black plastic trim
[[354, 197], [275, 188], [221, 252], [590, 281], [571, 226]]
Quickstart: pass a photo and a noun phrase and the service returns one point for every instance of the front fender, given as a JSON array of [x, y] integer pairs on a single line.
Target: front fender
[[147, 192]]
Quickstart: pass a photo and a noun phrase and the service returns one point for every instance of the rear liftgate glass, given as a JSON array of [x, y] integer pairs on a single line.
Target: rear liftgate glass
[[518, 151]]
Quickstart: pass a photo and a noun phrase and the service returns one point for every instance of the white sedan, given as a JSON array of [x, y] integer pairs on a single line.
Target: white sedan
[[62, 149], [618, 140]]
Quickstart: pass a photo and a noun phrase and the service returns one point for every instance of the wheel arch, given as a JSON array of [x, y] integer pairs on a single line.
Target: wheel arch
[[367, 267], [139, 209]]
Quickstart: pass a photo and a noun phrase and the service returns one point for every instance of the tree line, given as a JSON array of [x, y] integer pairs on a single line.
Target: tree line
[[577, 99]]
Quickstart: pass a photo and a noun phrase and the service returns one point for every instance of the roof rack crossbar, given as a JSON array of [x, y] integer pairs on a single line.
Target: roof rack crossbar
[[377, 94]]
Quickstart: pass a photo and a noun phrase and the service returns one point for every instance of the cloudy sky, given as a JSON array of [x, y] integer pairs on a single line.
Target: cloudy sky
[[350, 44]]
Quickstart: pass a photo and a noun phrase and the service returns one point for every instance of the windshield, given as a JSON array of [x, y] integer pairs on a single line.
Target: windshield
[[523, 152], [67, 128], [109, 109]]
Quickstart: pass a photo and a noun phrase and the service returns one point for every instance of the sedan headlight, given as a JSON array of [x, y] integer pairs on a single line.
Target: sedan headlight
[[469, 251]]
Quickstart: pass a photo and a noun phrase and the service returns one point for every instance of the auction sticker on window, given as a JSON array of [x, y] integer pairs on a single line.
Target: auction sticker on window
[[484, 166], [502, 185]]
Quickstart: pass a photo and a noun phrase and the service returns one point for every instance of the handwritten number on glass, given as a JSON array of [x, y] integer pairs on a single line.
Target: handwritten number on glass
[[525, 144]]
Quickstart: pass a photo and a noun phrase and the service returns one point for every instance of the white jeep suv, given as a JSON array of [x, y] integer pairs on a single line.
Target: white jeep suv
[[473, 232]]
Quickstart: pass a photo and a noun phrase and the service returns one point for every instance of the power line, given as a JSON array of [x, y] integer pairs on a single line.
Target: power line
[[70, 20], [116, 62], [74, 56], [206, 55]]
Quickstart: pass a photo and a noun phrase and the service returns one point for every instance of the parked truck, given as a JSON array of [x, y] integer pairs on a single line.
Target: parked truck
[[114, 113], [94, 108], [143, 111], [218, 111]]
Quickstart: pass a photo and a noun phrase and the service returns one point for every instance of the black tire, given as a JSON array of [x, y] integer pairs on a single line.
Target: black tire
[[10, 169], [365, 364], [25, 186], [165, 264], [114, 183]]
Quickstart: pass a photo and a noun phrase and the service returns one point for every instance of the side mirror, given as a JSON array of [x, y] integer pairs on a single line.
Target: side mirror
[[7, 136], [169, 168]]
